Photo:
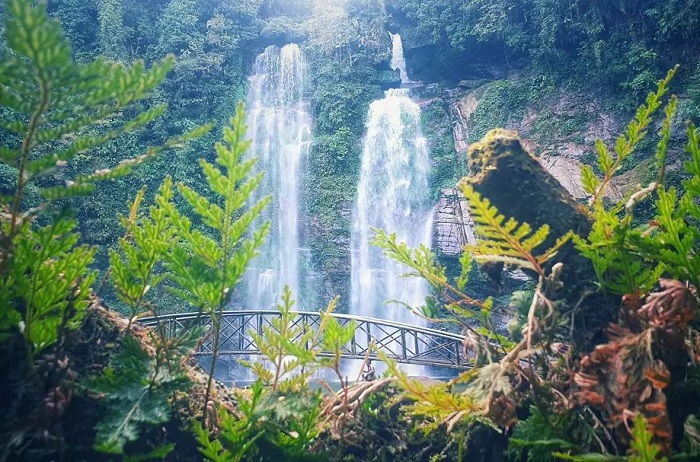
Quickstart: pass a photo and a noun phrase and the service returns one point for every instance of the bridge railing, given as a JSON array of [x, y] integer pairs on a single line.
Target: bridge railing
[[402, 342]]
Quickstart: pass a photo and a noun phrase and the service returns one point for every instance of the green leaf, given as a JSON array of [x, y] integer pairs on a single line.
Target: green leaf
[[136, 390], [589, 180], [504, 241], [160, 452]]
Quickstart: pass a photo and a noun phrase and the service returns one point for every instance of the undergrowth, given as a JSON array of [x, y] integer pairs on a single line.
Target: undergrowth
[[605, 404], [552, 402]]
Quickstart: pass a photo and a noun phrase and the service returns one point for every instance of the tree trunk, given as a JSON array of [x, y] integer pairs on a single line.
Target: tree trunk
[[515, 182]]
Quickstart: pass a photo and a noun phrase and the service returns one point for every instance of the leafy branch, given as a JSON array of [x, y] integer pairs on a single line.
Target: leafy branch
[[624, 146], [205, 269]]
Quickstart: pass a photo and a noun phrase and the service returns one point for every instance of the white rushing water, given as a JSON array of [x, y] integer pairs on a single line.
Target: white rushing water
[[392, 195], [280, 130], [397, 59]]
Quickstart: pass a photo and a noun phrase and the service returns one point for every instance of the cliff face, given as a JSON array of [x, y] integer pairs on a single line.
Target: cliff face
[[561, 130], [453, 228]]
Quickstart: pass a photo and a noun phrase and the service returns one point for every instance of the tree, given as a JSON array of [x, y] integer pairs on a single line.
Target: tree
[[112, 35], [50, 103]]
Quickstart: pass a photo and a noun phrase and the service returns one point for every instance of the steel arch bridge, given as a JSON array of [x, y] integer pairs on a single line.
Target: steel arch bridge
[[402, 342]]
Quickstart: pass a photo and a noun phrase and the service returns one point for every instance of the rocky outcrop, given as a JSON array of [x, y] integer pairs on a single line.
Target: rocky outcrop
[[453, 228], [562, 136], [567, 171], [462, 110]]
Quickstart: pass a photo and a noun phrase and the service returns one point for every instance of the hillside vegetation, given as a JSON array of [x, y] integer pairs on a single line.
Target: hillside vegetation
[[126, 193]]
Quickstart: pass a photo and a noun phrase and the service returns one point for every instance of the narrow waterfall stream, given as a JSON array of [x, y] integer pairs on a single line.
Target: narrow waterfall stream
[[393, 195], [280, 130], [398, 62]]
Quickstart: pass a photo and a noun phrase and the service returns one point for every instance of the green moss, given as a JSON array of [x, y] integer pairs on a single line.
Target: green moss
[[502, 101], [569, 126], [340, 102], [448, 165]]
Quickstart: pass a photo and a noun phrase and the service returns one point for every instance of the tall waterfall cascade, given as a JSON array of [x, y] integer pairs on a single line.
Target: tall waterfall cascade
[[392, 195], [279, 124]]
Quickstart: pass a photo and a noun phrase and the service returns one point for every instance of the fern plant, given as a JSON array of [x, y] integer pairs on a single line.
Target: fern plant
[[288, 348], [136, 388], [136, 267], [497, 361], [628, 259], [50, 101], [642, 449], [268, 427], [206, 266], [626, 376], [653, 265], [538, 437], [164, 245], [297, 351], [282, 414], [673, 238], [238, 434], [49, 278], [49, 104], [436, 403]]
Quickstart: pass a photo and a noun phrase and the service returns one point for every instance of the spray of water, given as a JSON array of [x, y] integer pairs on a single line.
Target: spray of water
[[280, 130]]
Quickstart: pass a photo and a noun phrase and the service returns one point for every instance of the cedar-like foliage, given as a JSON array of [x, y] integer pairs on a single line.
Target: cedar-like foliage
[[282, 415], [205, 266], [629, 374], [136, 267], [615, 245], [50, 103], [506, 241], [48, 281], [497, 361]]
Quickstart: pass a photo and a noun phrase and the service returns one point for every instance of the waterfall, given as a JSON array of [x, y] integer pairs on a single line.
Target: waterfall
[[397, 59], [279, 126], [392, 195]]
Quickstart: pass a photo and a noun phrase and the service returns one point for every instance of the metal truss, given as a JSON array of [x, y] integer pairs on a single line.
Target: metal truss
[[402, 342]]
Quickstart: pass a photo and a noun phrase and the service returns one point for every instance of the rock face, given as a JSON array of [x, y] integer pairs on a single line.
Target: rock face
[[566, 171], [452, 224], [560, 131], [561, 136], [462, 110]]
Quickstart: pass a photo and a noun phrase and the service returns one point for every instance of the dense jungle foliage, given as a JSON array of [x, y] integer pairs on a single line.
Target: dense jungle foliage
[[611, 52], [125, 187]]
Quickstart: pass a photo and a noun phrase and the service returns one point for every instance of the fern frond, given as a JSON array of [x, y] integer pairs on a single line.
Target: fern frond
[[504, 240], [420, 260], [55, 105], [136, 389], [135, 266], [662, 146], [50, 279], [626, 143], [435, 401]]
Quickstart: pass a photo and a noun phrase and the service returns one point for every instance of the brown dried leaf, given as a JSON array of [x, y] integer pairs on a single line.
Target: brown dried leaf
[[658, 376], [674, 306]]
